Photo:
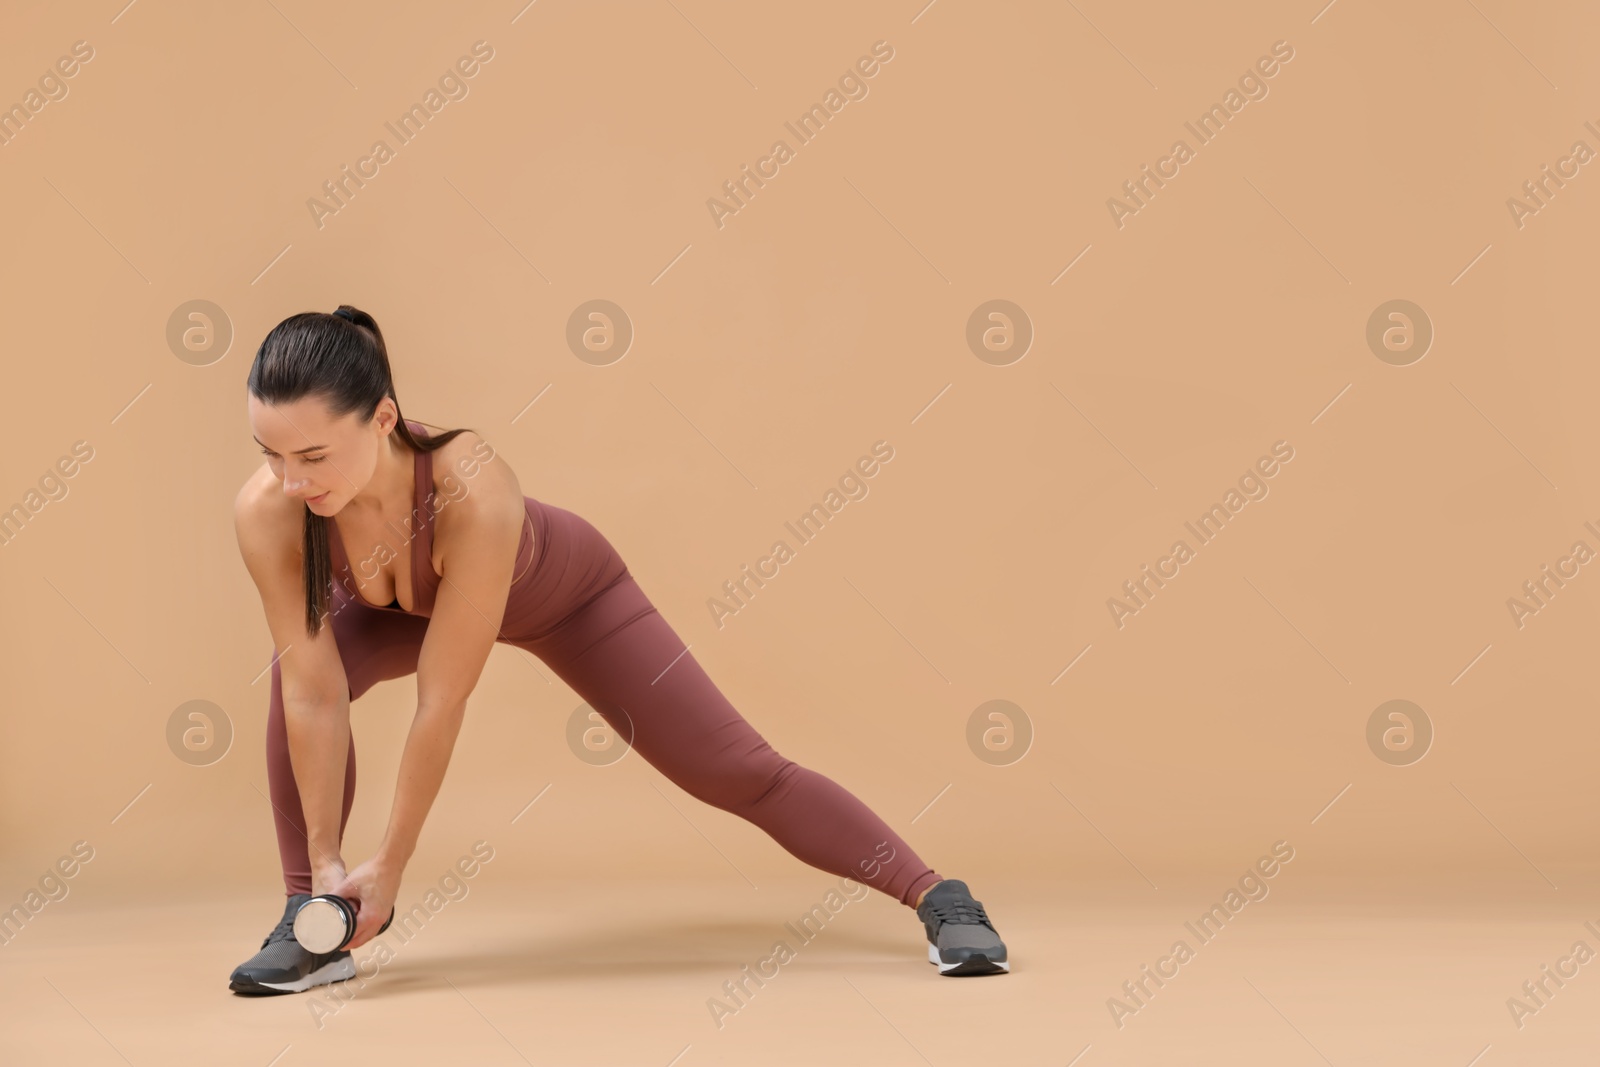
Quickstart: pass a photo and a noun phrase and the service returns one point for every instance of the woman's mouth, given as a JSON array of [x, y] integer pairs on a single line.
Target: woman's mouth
[[317, 499]]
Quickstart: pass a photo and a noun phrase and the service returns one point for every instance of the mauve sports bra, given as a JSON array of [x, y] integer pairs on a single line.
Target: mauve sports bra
[[424, 579]]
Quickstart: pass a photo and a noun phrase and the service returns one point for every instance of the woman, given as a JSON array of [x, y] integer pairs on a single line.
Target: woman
[[374, 560]]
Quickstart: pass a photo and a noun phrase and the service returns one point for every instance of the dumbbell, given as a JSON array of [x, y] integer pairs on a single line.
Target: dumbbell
[[327, 922]]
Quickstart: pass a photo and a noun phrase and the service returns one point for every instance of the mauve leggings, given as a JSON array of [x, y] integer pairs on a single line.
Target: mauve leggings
[[581, 612]]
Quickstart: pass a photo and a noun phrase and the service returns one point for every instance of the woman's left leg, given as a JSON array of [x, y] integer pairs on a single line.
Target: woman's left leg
[[621, 656]]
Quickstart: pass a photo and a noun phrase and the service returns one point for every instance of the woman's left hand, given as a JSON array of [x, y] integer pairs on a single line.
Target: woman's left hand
[[372, 887]]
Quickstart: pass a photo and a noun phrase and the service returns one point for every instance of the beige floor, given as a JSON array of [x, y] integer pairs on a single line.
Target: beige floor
[[1369, 972]]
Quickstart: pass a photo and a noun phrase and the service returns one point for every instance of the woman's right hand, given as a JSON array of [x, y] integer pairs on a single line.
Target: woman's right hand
[[327, 875]]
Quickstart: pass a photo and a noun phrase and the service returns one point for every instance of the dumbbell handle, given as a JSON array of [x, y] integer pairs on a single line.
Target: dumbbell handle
[[349, 910]]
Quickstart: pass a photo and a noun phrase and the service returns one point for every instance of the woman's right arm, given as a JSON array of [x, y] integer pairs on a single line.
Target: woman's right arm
[[316, 695]]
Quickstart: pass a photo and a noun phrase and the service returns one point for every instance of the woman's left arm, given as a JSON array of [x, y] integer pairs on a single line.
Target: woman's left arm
[[475, 569]]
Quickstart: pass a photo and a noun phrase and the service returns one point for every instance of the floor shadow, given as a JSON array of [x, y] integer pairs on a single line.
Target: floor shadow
[[712, 951]]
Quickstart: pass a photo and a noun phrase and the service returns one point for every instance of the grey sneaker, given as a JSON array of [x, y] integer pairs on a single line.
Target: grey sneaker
[[282, 966], [961, 939]]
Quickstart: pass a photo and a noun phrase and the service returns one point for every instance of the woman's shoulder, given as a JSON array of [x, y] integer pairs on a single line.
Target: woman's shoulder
[[264, 516], [468, 462], [475, 490]]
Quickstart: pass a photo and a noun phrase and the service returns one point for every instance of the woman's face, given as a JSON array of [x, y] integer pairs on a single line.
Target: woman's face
[[320, 459]]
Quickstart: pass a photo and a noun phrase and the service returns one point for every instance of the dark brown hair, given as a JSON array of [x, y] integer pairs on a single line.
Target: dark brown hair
[[341, 359]]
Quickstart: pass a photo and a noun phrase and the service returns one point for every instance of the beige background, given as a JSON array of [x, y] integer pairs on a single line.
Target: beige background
[[829, 313]]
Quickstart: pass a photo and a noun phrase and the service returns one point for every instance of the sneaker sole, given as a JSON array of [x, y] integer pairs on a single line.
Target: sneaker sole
[[974, 964], [334, 971]]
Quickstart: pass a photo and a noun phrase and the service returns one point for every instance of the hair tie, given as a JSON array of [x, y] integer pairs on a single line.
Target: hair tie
[[343, 314]]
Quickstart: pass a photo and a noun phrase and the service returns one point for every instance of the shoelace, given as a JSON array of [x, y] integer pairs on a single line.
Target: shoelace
[[960, 911], [282, 932]]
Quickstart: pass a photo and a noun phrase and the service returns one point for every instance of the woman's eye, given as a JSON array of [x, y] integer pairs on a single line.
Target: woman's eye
[[308, 459]]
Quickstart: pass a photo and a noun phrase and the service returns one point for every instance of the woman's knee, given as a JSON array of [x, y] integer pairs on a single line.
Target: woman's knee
[[738, 786]]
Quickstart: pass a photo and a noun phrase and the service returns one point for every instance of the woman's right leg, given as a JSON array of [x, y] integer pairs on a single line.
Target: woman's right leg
[[374, 645], [287, 815]]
